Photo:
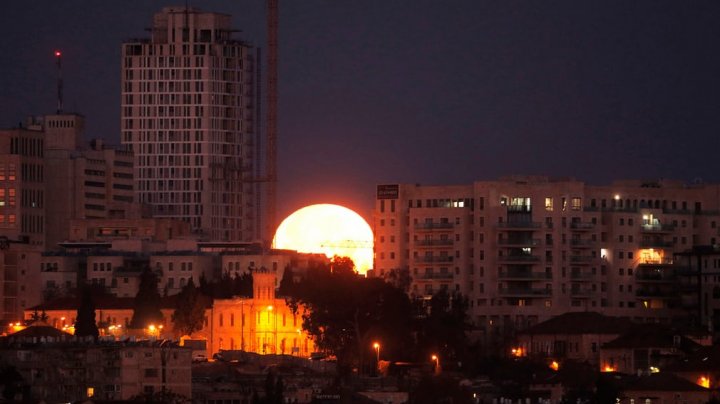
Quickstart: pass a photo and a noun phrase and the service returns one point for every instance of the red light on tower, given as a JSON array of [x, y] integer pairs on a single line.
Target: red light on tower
[[58, 53]]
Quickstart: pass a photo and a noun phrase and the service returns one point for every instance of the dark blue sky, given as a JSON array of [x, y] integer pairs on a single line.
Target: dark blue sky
[[423, 91]]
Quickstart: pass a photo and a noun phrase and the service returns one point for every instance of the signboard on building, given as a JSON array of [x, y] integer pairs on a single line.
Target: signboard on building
[[389, 191]]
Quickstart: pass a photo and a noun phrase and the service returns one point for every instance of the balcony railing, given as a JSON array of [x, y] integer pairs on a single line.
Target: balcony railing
[[579, 276], [656, 244], [525, 292], [433, 226], [652, 228], [530, 276], [431, 243], [658, 293], [434, 259], [582, 225], [519, 258], [581, 292], [520, 243], [579, 243], [433, 275], [655, 277], [648, 262], [581, 259], [519, 225]]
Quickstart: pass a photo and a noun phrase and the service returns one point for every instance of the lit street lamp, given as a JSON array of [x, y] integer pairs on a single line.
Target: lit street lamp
[[377, 354], [437, 363]]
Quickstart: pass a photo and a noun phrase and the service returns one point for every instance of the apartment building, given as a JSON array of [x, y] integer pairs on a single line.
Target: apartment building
[[55, 366], [526, 248], [188, 114]]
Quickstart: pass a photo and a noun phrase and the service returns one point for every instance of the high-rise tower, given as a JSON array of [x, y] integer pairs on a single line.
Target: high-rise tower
[[188, 116]]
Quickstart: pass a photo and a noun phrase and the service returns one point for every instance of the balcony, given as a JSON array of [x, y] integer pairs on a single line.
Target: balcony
[[657, 228], [656, 277], [656, 293], [581, 292], [519, 225], [522, 258], [524, 292], [431, 259], [579, 276], [655, 262], [434, 226], [656, 244], [581, 259], [580, 243], [582, 226], [533, 242], [433, 243], [524, 276], [433, 276]]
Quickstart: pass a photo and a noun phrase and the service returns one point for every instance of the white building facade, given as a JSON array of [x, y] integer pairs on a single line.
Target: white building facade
[[188, 114]]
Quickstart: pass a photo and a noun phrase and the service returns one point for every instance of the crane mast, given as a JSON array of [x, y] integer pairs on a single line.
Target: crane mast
[[271, 128]]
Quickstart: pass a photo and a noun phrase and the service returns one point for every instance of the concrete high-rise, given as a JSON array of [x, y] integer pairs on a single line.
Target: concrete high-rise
[[188, 115], [524, 249]]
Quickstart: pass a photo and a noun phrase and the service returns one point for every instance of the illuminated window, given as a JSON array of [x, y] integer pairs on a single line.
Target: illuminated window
[[576, 203], [549, 204]]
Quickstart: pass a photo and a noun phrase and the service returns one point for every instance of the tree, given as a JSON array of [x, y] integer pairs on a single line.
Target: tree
[[85, 324], [189, 315], [442, 330], [146, 307], [346, 312]]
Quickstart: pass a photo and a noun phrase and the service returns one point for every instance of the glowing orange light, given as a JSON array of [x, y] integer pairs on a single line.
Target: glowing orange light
[[517, 352], [704, 382], [608, 368], [554, 365], [330, 230]]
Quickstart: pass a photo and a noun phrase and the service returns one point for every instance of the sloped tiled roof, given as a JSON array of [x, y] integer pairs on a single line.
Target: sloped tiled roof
[[706, 359], [662, 381], [652, 336], [587, 322], [39, 331], [101, 303]]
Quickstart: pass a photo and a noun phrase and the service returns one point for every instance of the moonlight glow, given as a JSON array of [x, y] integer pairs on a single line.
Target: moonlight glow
[[330, 230]]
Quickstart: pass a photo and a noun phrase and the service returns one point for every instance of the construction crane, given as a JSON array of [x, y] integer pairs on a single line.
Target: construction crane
[[271, 128]]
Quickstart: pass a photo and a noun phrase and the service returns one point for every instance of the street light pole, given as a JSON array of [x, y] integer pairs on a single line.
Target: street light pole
[[437, 363], [377, 354]]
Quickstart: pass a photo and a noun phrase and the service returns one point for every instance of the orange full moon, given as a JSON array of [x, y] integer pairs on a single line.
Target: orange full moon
[[330, 230]]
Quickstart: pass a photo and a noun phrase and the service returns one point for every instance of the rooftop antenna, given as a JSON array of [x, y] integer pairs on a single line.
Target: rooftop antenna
[[58, 58]]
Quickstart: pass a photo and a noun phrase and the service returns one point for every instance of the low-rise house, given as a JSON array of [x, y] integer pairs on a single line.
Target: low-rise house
[[645, 348], [664, 388], [575, 336]]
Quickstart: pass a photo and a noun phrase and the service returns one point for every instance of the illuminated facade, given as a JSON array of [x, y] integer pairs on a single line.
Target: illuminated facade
[[524, 249], [187, 113], [263, 324]]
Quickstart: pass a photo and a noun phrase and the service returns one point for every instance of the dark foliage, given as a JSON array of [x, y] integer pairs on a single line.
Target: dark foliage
[[146, 307], [189, 315], [85, 324]]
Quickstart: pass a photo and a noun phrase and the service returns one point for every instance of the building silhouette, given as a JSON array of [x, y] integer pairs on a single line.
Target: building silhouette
[[188, 114]]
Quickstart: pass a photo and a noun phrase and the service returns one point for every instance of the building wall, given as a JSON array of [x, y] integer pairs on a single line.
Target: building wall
[[22, 185], [262, 324], [523, 249], [71, 371], [187, 111]]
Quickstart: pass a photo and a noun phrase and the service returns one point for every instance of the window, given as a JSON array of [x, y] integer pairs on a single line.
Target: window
[[576, 203], [549, 204]]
